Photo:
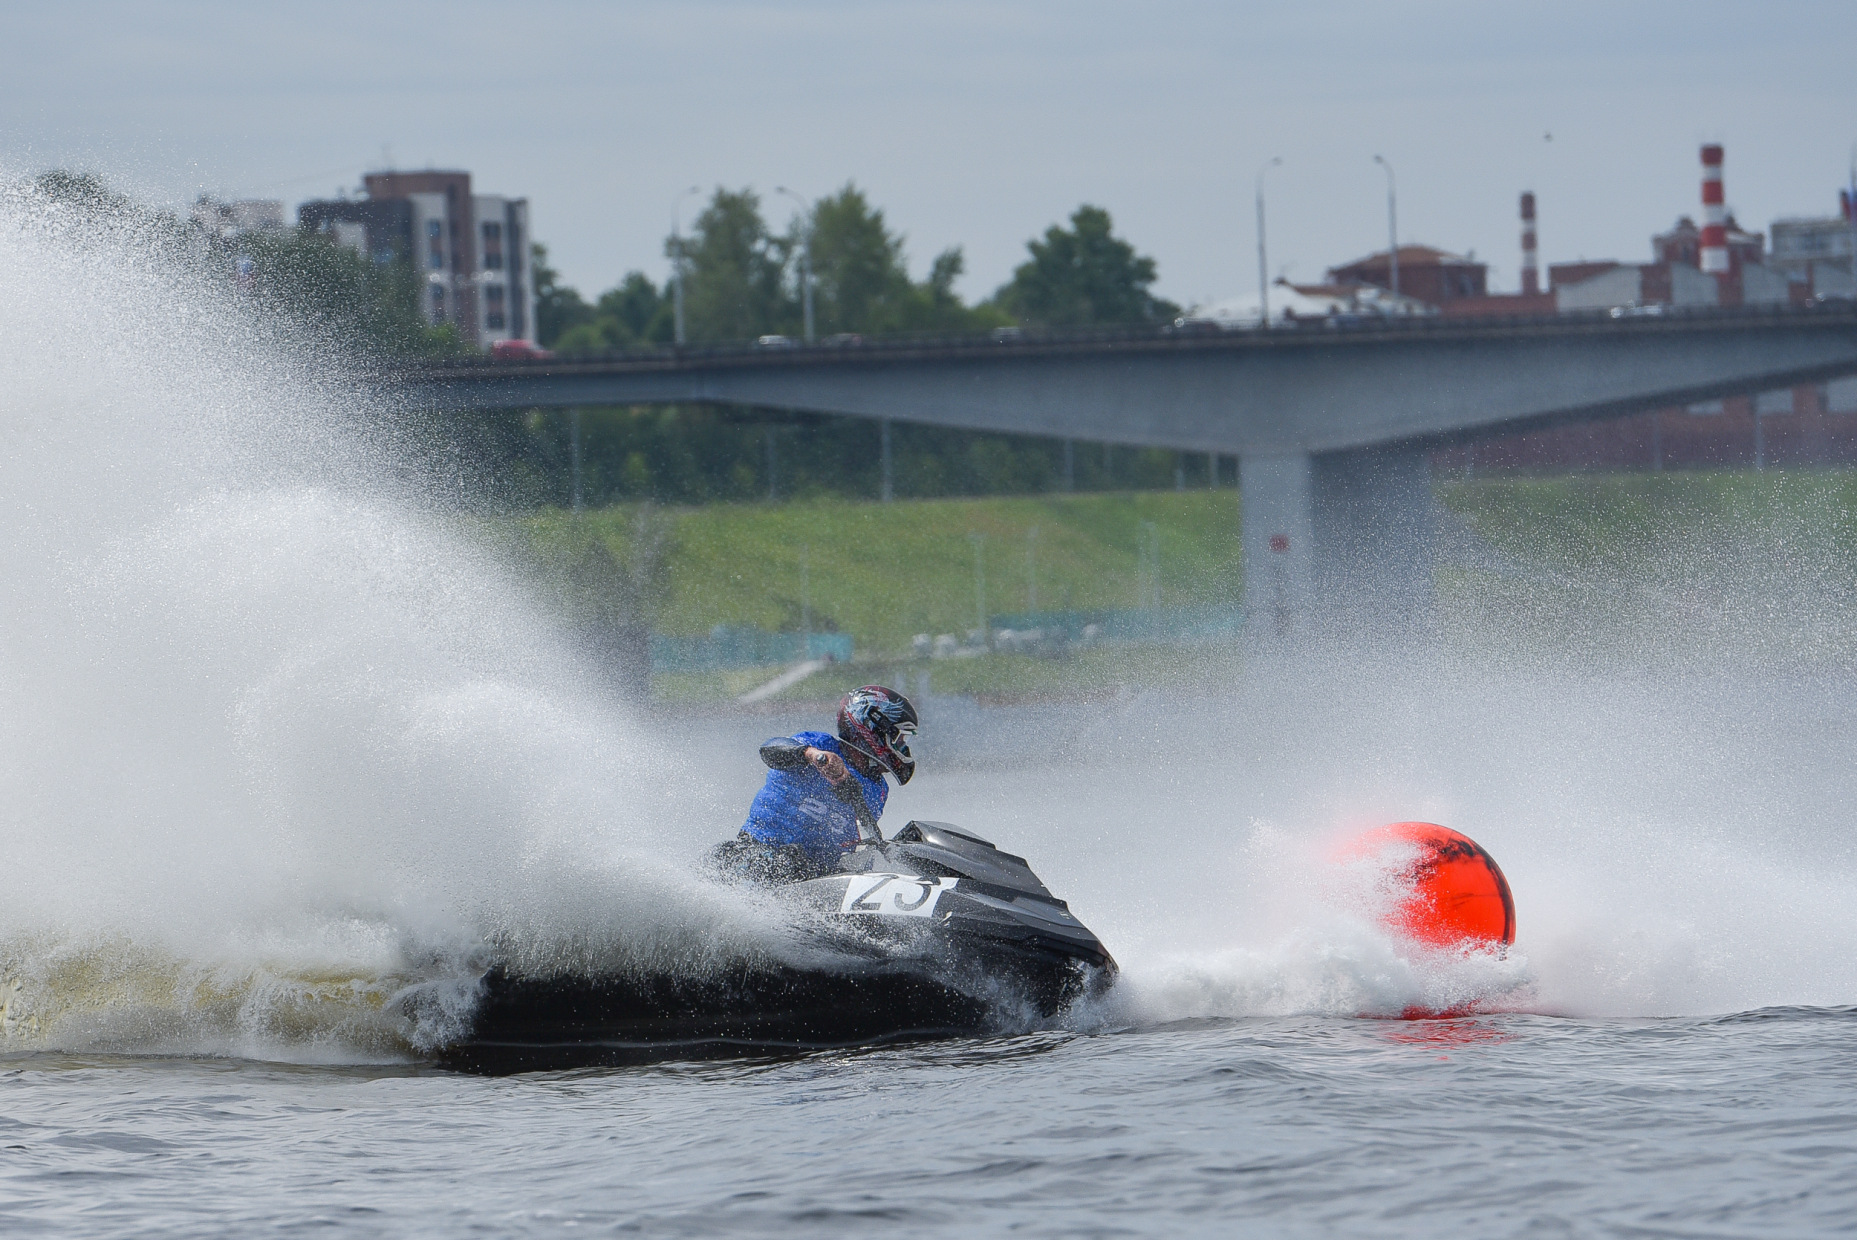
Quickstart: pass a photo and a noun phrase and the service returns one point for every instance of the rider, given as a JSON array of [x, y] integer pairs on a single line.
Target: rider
[[819, 786]]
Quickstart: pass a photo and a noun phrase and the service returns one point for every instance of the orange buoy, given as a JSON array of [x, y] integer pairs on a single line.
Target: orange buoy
[[1457, 892]]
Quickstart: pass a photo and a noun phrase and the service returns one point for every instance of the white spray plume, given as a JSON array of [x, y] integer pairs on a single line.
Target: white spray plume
[[276, 741]]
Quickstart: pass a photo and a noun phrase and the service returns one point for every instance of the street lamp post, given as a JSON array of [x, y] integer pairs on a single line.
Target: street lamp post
[[1852, 220], [574, 453], [806, 600], [980, 584], [677, 259], [805, 257], [1263, 268], [1392, 223]]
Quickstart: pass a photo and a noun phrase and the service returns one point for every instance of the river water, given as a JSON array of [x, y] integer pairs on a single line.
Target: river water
[[1668, 1050], [1289, 1126], [282, 743]]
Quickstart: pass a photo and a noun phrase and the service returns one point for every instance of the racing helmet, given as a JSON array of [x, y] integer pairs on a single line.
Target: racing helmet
[[878, 722]]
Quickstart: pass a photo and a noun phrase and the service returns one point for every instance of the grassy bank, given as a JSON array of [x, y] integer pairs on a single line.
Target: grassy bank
[[1638, 566], [993, 677], [884, 572]]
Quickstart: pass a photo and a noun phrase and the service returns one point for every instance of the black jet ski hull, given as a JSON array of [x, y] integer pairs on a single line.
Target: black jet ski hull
[[532, 1024], [942, 936], [537, 1024]]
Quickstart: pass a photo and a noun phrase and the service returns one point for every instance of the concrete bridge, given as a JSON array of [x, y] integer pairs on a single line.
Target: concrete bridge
[[1332, 423]]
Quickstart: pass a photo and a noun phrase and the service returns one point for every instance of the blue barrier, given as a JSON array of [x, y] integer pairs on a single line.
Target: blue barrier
[[1129, 624], [724, 648]]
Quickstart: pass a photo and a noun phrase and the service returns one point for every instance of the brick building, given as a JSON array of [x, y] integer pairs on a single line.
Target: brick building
[[1453, 285], [1429, 275], [1813, 425]]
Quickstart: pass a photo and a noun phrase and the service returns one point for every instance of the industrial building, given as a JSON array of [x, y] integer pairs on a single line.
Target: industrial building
[[1716, 263], [471, 250], [1817, 252]]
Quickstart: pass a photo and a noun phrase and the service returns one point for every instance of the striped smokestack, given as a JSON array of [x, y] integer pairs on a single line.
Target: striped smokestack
[[1531, 272], [1714, 215]]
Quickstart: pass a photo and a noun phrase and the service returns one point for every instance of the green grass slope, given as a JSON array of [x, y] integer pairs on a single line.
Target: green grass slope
[[884, 572]]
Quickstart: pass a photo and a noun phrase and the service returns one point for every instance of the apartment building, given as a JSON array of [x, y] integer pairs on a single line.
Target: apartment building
[[471, 250]]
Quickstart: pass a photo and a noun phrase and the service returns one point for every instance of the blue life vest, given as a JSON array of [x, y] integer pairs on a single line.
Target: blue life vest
[[799, 807]]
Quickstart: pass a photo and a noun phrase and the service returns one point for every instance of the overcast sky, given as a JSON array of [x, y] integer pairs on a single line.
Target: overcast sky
[[970, 124]]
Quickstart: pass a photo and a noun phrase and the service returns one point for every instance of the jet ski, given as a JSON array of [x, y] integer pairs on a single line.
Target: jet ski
[[932, 933]]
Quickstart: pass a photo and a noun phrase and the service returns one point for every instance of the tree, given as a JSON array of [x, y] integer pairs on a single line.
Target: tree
[[338, 292], [734, 272], [558, 307], [631, 313], [742, 281], [862, 274], [862, 284], [937, 307], [1084, 276], [638, 308]]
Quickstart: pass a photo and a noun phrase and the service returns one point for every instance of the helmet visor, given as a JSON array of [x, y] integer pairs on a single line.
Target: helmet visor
[[903, 765]]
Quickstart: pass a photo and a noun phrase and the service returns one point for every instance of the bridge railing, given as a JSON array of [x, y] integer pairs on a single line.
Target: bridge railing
[[1197, 334]]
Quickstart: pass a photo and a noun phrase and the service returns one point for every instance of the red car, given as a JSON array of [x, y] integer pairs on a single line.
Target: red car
[[517, 351]]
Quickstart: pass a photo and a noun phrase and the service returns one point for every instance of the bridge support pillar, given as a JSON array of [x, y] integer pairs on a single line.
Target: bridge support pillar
[[1376, 526], [1339, 543]]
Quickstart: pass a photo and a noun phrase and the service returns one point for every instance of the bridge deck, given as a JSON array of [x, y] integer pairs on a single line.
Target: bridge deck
[[1324, 387]]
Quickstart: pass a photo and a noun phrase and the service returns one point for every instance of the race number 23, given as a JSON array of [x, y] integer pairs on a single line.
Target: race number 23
[[895, 895]]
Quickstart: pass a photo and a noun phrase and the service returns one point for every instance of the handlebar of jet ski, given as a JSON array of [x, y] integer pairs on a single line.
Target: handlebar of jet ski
[[852, 795]]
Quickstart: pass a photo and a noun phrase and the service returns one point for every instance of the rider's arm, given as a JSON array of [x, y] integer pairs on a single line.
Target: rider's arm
[[783, 753]]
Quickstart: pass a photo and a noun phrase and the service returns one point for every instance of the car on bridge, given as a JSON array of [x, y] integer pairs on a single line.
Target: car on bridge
[[519, 351], [1632, 310], [1190, 325]]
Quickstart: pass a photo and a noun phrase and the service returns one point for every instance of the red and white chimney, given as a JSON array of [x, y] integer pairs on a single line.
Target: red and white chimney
[[1714, 215], [1531, 271]]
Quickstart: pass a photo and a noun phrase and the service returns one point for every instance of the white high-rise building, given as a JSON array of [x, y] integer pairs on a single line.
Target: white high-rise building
[[505, 279], [472, 251]]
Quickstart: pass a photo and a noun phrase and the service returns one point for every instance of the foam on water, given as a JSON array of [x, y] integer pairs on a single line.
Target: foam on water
[[1677, 843]]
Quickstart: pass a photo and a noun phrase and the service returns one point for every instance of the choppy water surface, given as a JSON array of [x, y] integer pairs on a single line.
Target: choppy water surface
[[1501, 1126]]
